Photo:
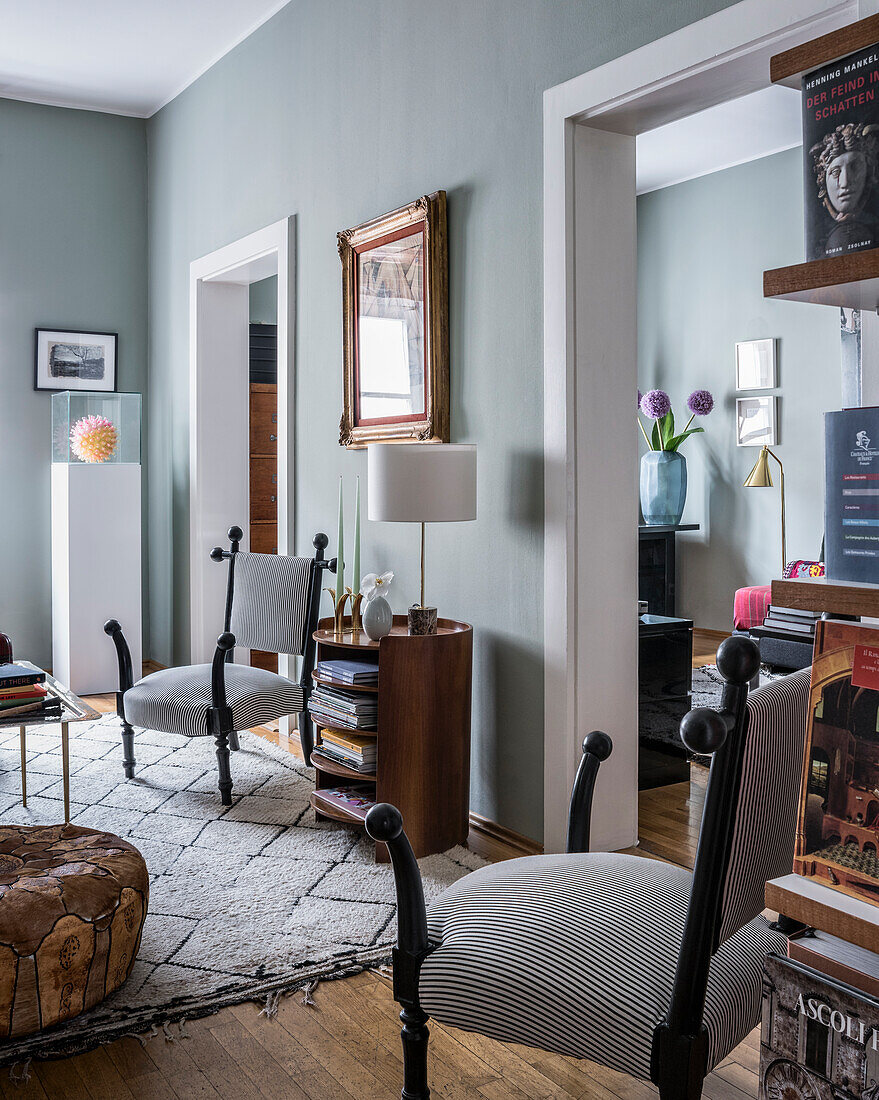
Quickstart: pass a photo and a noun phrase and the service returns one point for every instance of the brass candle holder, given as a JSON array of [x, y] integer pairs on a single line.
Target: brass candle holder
[[356, 620], [339, 611]]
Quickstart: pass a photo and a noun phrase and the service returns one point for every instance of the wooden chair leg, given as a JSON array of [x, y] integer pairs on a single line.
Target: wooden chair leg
[[223, 757], [128, 761], [415, 1036], [306, 736], [234, 743]]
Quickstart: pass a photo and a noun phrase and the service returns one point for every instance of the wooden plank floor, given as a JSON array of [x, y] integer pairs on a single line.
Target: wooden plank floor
[[347, 1046]]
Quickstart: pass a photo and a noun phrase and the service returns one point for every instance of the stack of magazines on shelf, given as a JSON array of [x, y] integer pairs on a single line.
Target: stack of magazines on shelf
[[355, 799], [352, 749], [355, 673], [349, 709], [23, 694], [790, 620]]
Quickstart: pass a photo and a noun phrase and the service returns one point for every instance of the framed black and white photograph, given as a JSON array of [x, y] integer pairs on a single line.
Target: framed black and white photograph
[[66, 360], [756, 422], [755, 365]]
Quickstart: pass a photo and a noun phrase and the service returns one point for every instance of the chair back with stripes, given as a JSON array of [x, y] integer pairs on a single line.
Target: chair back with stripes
[[272, 601], [765, 827]]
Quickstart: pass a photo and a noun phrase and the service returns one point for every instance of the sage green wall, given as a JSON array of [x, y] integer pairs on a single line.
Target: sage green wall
[[702, 250], [72, 256], [264, 301], [336, 112]]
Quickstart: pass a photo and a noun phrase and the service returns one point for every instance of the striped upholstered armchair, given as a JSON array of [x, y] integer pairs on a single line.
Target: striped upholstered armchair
[[272, 604], [626, 961]]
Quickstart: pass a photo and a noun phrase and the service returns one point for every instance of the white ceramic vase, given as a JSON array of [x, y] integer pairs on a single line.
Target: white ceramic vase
[[377, 618]]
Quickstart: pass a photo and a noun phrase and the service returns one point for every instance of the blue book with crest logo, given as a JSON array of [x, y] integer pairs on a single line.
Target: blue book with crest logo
[[851, 494]]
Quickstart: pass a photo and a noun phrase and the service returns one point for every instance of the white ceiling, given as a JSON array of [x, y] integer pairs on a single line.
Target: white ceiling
[[126, 56], [740, 130]]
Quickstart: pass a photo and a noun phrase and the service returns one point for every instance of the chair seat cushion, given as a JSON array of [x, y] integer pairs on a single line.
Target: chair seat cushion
[[177, 700], [750, 606], [576, 954]]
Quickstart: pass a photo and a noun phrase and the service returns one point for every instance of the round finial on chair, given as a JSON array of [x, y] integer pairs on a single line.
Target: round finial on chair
[[111, 626], [217, 553], [598, 744], [703, 731], [320, 541], [226, 640], [235, 534], [384, 822], [738, 659]]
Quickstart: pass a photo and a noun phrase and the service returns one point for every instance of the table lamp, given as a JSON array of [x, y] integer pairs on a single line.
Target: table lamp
[[760, 478], [421, 483]]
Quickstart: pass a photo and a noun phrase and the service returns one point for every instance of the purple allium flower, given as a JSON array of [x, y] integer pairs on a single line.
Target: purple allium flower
[[700, 402], [640, 395], [655, 404]]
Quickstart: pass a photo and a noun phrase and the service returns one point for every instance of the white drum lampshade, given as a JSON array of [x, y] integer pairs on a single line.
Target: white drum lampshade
[[421, 483]]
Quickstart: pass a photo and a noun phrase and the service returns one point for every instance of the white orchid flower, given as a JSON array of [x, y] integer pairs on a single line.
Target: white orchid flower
[[375, 585]]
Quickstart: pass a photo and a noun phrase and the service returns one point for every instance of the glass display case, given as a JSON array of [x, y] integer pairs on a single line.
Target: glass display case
[[95, 428]]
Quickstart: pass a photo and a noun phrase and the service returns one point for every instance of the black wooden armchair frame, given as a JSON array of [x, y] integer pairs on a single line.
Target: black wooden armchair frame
[[679, 1062], [219, 716]]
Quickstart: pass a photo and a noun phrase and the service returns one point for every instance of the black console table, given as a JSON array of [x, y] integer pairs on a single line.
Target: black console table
[[665, 679], [656, 565]]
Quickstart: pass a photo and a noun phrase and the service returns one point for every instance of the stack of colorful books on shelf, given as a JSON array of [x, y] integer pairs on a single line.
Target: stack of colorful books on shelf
[[23, 695], [354, 673], [352, 749], [348, 709]]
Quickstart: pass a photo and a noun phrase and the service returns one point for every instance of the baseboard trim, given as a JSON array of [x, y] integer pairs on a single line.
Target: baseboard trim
[[496, 842]]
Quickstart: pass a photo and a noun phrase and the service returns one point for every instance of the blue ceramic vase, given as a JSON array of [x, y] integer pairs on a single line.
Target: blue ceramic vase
[[663, 487]]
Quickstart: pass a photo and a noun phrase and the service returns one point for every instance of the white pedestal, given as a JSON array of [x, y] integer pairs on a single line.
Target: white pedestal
[[95, 572]]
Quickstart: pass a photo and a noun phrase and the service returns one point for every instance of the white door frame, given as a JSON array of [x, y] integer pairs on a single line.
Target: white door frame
[[590, 373], [219, 443]]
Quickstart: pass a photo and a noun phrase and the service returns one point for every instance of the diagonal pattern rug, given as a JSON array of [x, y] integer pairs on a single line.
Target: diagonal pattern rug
[[244, 899]]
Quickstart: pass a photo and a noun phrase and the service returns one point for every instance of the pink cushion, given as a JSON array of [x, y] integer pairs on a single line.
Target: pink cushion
[[750, 606]]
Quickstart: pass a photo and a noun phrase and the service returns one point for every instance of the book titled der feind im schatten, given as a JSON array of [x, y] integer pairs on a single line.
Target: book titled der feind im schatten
[[841, 155]]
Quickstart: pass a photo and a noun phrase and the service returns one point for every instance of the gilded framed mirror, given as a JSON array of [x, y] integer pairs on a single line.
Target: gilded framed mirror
[[395, 322]]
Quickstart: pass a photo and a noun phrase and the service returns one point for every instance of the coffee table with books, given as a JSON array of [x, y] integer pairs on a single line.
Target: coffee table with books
[[29, 696]]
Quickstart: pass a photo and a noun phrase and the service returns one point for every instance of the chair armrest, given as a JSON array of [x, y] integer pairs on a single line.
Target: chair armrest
[[384, 823], [597, 747], [123, 654], [225, 643]]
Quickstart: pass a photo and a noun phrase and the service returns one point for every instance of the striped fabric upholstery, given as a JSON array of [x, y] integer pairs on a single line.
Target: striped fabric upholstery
[[270, 602], [576, 954], [176, 700], [765, 829]]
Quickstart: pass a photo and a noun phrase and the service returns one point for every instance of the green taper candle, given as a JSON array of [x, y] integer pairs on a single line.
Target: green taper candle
[[340, 552], [355, 580]]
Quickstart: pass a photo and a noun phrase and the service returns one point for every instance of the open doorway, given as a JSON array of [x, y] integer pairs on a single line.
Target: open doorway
[[591, 376], [241, 446]]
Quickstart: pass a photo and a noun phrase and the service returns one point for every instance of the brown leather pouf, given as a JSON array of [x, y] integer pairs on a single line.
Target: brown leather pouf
[[72, 906]]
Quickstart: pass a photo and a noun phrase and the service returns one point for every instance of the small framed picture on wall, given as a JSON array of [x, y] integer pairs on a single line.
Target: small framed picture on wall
[[756, 422], [755, 365], [70, 360]]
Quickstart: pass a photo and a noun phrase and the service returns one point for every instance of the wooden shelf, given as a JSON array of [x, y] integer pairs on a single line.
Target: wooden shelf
[[851, 281], [360, 641], [788, 67], [343, 687], [334, 767], [824, 594], [818, 906]]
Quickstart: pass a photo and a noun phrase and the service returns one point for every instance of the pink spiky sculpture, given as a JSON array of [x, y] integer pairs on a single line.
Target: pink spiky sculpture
[[93, 439]]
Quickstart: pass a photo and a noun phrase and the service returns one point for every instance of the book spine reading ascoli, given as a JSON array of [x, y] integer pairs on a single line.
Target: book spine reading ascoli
[[841, 155]]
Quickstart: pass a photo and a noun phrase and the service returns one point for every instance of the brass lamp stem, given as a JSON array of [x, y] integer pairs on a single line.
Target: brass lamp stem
[[783, 533], [422, 564]]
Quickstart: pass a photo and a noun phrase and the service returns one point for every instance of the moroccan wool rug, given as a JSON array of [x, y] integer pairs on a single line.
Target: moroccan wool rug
[[245, 900]]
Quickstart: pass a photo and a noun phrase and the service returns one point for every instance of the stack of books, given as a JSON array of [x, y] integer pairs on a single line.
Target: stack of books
[[348, 709], [353, 749], [356, 673], [22, 694], [790, 620]]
